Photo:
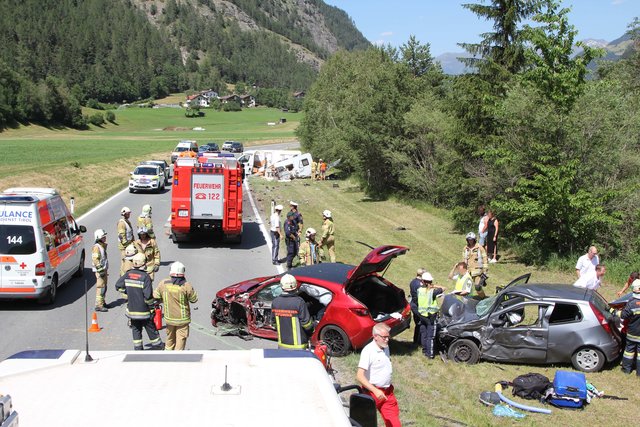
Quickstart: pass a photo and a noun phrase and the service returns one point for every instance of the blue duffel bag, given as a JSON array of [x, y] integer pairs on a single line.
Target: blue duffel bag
[[569, 390]]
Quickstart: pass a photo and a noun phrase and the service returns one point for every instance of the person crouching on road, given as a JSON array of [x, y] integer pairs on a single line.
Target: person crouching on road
[[100, 266], [374, 373], [144, 220], [136, 284], [293, 321], [149, 247], [426, 308], [176, 294], [308, 252], [631, 313]]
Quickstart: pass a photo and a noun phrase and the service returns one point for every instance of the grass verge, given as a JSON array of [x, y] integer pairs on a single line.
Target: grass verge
[[432, 392]]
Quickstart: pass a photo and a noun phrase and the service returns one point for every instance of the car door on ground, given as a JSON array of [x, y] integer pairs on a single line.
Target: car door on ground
[[517, 332]]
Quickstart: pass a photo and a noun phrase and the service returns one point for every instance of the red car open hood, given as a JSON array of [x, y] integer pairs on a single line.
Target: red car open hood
[[375, 262], [241, 287]]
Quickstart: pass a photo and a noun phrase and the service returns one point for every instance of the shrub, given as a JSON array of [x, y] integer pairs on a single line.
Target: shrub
[[110, 116], [96, 119], [231, 106]]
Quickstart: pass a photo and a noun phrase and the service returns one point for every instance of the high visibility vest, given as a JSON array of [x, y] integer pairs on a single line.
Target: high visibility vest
[[461, 282], [426, 302]]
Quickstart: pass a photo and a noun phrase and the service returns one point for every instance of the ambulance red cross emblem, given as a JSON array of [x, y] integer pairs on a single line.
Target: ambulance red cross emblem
[[23, 265]]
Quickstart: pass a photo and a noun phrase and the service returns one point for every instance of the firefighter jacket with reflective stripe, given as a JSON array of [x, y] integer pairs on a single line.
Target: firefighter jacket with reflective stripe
[[151, 253], [136, 284], [631, 312], [176, 294], [293, 321], [125, 233], [328, 230], [146, 222], [99, 261], [476, 259], [308, 253]]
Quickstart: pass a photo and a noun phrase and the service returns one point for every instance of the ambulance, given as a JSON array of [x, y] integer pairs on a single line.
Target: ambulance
[[41, 246]]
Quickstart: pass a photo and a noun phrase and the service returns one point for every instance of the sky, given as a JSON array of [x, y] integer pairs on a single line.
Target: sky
[[443, 23]]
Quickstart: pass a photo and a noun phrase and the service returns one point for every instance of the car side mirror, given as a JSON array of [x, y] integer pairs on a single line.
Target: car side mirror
[[83, 229]]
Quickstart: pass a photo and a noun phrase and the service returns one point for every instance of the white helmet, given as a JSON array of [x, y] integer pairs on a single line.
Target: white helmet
[[130, 251], [471, 236], [146, 210], [288, 283], [99, 234], [427, 277], [310, 232], [125, 210], [177, 269], [143, 230], [139, 260], [278, 208], [326, 214]]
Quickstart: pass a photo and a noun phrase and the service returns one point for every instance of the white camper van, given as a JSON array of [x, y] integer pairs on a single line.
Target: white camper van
[[294, 167], [41, 246], [257, 161]]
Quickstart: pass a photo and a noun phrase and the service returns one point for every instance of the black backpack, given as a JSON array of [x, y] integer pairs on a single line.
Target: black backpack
[[530, 386]]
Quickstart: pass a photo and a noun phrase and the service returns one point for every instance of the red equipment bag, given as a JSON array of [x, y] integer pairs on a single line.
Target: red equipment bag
[[157, 317]]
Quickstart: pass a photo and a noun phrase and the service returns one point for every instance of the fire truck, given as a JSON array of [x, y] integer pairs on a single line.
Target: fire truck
[[206, 198]]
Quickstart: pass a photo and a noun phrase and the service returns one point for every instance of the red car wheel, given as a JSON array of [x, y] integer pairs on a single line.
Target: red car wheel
[[336, 339]]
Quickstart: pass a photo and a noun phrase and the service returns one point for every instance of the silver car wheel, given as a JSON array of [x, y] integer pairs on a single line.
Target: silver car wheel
[[588, 360]]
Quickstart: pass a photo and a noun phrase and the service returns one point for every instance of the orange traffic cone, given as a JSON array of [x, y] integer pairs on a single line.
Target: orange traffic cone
[[94, 323]]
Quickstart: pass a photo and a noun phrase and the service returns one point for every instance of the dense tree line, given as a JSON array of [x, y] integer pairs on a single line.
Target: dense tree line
[[556, 155]]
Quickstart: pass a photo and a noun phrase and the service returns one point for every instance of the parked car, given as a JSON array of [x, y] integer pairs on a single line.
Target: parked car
[[356, 298], [164, 166], [531, 323], [226, 146], [213, 147], [146, 177], [236, 147]]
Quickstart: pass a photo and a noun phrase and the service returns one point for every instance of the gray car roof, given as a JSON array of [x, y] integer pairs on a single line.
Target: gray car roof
[[553, 290]]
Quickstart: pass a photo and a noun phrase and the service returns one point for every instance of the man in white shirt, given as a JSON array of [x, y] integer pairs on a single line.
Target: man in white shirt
[[588, 261], [592, 279], [276, 232], [374, 373]]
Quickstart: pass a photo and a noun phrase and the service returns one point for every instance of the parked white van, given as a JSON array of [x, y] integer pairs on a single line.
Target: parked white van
[[41, 246]]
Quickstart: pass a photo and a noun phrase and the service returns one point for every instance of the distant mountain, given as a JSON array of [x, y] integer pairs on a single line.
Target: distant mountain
[[450, 63]]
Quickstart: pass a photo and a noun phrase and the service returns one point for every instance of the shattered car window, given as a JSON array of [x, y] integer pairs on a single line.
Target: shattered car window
[[485, 305]]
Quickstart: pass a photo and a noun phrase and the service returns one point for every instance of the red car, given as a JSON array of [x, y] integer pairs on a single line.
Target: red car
[[346, 301]]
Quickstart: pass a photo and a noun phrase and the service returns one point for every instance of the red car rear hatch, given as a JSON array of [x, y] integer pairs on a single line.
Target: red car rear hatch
[[375, 262]]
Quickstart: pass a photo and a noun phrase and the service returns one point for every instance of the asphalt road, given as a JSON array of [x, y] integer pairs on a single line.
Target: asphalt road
[[25, 325]]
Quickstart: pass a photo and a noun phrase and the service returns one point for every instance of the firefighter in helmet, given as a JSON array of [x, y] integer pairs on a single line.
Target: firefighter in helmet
[[125, 234], [309, 249], [144, 220], [176, 294], [100, 266], [136, 284], [149, 247], [293, 321]]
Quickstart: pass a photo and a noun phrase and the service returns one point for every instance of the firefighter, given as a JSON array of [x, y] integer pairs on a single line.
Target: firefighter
[[125, 234], [144, 220], [426, 308], [176, 294], [100, 266], [327, 241], [631, 313], [149, 247], [293, 321], [136, 284], [309, 249], [314, 170], [129, 253], [476, 258]]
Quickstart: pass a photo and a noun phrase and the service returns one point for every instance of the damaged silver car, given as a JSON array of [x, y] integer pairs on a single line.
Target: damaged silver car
[[533, 324]]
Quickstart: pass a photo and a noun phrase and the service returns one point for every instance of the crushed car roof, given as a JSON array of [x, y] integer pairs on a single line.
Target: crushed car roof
[[552, 290]]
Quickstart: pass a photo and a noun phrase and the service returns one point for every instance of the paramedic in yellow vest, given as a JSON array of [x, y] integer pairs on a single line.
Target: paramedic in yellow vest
[[293, 321], [464, 283], [309, 249], [149, 247], [144, 220], [125, 235], [475, 256], [426, 308], [100, 266], [327, 241], [176, 295]]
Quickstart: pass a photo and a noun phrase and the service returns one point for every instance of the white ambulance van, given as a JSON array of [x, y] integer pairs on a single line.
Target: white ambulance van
[[41, 246]]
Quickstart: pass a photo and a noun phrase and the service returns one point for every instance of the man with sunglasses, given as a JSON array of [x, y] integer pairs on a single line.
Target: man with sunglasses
[[374, 373]]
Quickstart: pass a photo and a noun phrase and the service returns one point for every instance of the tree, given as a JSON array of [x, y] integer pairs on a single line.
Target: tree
[[417, 57], [504, 46]]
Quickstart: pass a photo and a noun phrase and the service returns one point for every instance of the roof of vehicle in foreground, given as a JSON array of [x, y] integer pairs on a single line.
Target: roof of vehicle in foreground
[[57, 387], [553, 290], [329, 272]]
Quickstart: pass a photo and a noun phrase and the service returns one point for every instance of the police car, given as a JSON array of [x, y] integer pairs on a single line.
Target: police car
[[41, 246]]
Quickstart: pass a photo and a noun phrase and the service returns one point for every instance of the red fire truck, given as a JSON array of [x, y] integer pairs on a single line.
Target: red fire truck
[[206, 198]]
